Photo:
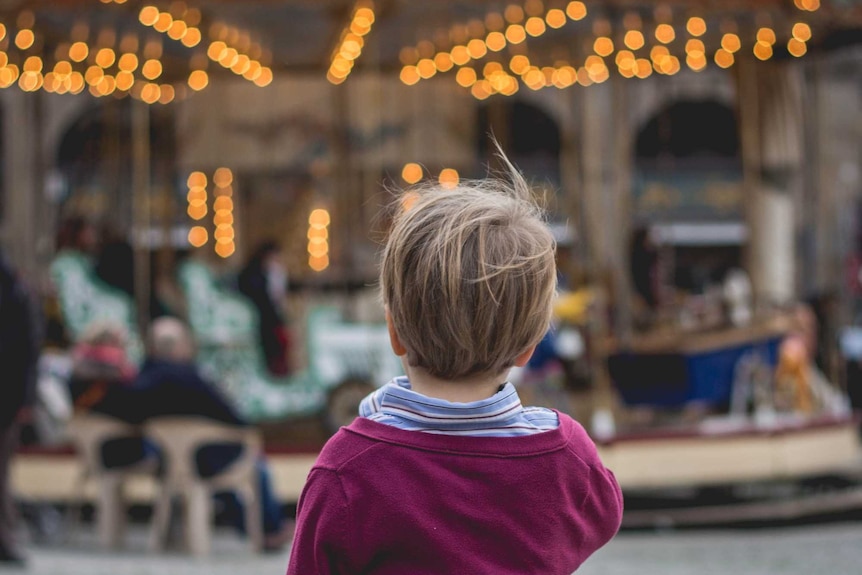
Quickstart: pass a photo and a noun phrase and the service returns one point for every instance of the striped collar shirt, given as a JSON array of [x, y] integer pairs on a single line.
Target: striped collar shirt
[[500, 415]]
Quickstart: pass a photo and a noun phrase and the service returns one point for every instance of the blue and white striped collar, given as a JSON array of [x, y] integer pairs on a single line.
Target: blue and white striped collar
[[501, 415]]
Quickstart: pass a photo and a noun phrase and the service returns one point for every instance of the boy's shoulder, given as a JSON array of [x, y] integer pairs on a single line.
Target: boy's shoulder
[[342, 448]]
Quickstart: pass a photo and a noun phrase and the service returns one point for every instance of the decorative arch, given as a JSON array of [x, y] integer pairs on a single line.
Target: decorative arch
[[94, 157], [688, 164], [530, 137]]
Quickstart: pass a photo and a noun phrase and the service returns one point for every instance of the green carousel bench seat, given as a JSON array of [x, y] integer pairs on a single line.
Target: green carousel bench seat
[[225, 327], [86, 300]]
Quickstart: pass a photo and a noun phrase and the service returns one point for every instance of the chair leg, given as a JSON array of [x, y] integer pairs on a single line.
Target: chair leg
[[72, 519], [111, 519], [161, 520], [253, 516], [198, 519]]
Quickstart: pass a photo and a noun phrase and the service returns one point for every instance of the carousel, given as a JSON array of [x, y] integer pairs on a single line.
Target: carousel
[[680, 145]]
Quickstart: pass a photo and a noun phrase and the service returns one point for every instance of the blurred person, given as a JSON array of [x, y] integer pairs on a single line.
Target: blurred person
[[99, 364], [77, 234], [264, 281], [644, 267], [19, 352], [445, 471], [115, 262], [101, 382], [169, 384]]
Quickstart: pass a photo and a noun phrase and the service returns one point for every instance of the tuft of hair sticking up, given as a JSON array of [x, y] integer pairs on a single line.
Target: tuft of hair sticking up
[[468, 275]]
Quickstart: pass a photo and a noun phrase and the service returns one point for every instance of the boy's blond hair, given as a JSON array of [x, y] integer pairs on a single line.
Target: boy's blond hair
[[468, 275]]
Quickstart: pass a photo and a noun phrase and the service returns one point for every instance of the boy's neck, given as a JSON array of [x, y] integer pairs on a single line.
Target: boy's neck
[[455, 391]]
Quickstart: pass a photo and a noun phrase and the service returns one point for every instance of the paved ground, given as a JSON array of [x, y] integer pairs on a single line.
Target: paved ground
[[834, 549]]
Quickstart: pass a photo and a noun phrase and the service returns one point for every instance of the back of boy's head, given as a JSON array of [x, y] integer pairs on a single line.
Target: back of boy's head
[[468, 276]]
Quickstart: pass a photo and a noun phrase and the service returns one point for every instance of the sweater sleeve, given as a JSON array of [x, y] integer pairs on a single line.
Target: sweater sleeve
[[321, 543], [602, 505]]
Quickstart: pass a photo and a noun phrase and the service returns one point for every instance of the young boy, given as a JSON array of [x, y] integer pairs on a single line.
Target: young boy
[[445, 472]]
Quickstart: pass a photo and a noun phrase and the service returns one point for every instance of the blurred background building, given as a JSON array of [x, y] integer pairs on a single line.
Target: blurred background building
[[729, 132]]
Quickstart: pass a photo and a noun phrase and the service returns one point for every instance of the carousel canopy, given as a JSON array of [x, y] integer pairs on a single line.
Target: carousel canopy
[[161, 51]]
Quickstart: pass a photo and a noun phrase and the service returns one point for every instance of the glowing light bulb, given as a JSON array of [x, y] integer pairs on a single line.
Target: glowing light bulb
[[696, 26], [225, 250], [198, 236], [535, 26], [576, 10], [495, 41], [723, 58], [412, 172], [796, 47], [555, 18], [409, 75], [665, 33], [24, 39], [634, 39], [105, 57], [730, 42], [449, 178], [762, 51], [319, 218], [443, 61], [223, 177], [192, 37], [516, 34], [603, 46], [198, 80], [197, 180], [766, 36], [79, 51], [466, 77], [802, 31], [148, 15]]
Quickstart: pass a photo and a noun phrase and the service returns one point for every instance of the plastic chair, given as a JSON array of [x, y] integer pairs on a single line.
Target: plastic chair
[[180, 438], [88, 433]]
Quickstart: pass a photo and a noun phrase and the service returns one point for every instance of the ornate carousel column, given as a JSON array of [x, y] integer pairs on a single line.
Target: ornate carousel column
[[22, 183], [772, 122], [607, 163]]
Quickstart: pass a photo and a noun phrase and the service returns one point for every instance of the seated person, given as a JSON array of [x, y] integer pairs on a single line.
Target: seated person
[[99, 364], [101, 382], [168, 384]]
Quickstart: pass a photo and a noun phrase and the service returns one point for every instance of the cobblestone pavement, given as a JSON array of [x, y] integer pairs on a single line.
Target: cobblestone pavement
[[834, 549]]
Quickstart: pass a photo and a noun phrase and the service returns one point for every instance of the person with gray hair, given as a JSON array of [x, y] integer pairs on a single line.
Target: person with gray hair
[[169, 384], [170, 339]]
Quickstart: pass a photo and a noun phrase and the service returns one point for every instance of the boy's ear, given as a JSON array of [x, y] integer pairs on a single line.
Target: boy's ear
[[525, 356], [397, 347]]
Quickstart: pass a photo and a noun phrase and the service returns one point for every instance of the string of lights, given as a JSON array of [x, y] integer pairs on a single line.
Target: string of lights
[[351, 42], [223, 219], [135, 66], [318, 239], [636, 50]]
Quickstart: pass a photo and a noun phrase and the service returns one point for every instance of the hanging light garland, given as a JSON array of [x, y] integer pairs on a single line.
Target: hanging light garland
[[637, 52], [133, 68], [350, 43]]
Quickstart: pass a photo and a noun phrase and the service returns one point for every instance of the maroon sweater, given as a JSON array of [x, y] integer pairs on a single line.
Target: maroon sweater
[[381, 500]]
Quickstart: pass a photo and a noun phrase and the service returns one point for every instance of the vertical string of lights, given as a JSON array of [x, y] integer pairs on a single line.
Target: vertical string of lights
[[197, 207], [223, 220], [223, 207], [318, 239]]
